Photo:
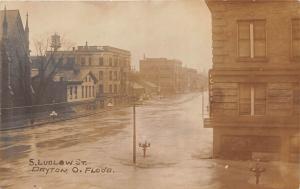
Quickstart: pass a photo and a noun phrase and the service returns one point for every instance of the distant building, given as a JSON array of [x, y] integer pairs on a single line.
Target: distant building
[[137, 82], [109, 65], [76, 86], [150, 88], [164, 73], [138, 91], [191, 80], [15, 62], [254, 83]]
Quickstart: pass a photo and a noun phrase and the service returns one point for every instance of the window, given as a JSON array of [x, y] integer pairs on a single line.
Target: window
[[110, 61], [86, 91], [126, 63], [82, 60], [100, 75], [93, 91], [115, 88], [101, 89], [75, 91], [71, 92], [90, 91], [82, 91], [252, 99], [110, 88], [110, 75], [70, 60], [296, 39], [116, 61], [101, 62], [252, 39], [90, 61], [115, 75]]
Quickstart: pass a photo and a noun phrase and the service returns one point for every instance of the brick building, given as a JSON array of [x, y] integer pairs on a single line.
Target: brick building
[[254, 83], [110, 66], [163, 72]]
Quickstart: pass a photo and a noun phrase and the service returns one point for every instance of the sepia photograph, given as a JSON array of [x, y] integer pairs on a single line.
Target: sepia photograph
[[150, 94]]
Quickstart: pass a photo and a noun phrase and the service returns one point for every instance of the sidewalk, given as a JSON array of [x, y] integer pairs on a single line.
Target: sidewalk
[[25, 123], [237, 174]]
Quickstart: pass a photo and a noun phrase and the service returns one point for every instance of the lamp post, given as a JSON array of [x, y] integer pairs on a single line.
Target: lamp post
[[257, 171], [144, 145], [202, 99], [134, 132]]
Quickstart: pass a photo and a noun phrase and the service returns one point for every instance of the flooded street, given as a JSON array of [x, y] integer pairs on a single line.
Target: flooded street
[[100, 149]]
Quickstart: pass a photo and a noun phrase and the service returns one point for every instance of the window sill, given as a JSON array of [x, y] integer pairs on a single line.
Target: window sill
[[248, 59], [253, 116], [295, 59]]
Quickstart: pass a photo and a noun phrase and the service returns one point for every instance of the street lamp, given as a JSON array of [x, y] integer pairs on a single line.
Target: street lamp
[[144, 145], [257, 171], [134, 132], [202, 99]]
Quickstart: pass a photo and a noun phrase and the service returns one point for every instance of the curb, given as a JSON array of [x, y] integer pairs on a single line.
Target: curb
[[59, 120]]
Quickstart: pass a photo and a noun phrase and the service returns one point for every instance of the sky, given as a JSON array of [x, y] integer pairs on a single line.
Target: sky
[[174, 29]]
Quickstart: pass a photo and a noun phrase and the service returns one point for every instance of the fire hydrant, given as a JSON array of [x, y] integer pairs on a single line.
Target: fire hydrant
[[257, 171], [144, 145]]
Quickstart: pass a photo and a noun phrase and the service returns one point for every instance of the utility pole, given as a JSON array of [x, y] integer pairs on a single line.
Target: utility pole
[[134, 134], [257, 170], [202, 102]]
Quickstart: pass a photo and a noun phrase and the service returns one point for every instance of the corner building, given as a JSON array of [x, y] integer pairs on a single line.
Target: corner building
[[254, 84]]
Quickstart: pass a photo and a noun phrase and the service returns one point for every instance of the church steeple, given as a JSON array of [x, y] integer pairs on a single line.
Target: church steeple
[[26, 26], [27, 33], [5, 25]]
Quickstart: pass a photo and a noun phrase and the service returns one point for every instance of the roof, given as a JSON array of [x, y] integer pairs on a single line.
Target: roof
[[73, 76], [103, 49], [159, 60], [12, 17]]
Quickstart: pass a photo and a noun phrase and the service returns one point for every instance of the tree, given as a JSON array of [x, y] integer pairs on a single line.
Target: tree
[[49, 60]]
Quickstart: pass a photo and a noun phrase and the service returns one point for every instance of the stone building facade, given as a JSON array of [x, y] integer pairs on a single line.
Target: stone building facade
[[254, 84], [110, 65]]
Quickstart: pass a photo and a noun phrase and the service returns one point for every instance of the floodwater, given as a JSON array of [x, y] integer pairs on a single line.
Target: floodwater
[[96, 152]]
